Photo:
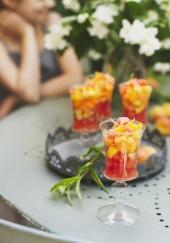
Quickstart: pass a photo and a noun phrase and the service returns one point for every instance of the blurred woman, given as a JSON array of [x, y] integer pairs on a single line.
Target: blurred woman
[[28, 72]]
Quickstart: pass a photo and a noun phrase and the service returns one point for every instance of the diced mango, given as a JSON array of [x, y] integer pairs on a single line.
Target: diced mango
[[137, 89], [147, 89], [133, 126], [119, 129], [137, 135], [111, 152], [131, 145]]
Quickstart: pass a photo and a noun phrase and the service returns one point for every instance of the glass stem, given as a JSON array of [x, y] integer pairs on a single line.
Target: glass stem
[[119, 189], [89, 139]]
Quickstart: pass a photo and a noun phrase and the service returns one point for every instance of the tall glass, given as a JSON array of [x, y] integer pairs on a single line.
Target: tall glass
[[122, 138], [86, 119], [135, 95], [105, 83]]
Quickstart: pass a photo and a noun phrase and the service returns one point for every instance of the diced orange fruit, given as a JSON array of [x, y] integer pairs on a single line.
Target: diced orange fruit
[[163, 125], [109, 138], [142, 81], [144, 152]]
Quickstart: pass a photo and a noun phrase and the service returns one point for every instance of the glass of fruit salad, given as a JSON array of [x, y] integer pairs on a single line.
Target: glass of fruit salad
[[135, 95], [86, 118], [105, 83], [122, 138]]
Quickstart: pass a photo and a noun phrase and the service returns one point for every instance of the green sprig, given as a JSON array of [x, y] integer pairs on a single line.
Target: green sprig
[[71, 186]]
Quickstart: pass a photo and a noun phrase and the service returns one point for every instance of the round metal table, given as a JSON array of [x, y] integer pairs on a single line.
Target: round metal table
[[25, 181]]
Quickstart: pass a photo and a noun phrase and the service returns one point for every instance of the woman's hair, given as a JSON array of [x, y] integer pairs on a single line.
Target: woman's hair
[[1, 5]]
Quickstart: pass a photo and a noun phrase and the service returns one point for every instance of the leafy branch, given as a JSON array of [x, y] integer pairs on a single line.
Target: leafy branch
[[71, 186]]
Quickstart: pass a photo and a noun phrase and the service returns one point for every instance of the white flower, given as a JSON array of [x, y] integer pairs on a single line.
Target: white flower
[[81, 18], [105, 13], [162, 67], [149, 47], [149, 43], [160, 1], [98, 29], [60, 29], [136, 1], [132, 33], [137, 33], [48, 42], [54, 40], [72, 5], [165, 44], [94, 55], [151, 17]]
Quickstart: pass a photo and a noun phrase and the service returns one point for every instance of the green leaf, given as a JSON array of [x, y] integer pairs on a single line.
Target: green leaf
[[78, 193], [84, 169], [66, 186], [62, 189], [96, 179], [87, 152], [69, 196], [64, 182]]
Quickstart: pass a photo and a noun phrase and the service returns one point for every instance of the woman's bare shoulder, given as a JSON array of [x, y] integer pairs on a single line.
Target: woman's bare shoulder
[[54, 18]]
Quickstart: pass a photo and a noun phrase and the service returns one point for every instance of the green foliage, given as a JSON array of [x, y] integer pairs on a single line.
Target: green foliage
[[124, 58], [71, 186]]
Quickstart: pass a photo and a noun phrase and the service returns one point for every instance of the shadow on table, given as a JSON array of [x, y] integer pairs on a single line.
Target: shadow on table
[[11, 214]]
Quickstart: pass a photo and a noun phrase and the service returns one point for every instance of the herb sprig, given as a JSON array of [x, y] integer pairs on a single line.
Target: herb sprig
[[70, 187]]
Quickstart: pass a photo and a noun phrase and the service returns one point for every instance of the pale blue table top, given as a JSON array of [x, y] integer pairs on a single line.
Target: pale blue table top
[[25, 181]]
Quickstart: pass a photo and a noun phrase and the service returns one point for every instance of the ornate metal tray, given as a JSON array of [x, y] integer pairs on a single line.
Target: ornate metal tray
[[63, 152]]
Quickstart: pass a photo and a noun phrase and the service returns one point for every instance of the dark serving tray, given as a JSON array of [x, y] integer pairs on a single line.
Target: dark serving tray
[[63, 152]]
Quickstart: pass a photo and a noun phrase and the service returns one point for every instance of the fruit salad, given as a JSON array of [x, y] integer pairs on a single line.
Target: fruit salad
[[135, 96], [85, 101], [160, 115], [122, 141], [105, 83]]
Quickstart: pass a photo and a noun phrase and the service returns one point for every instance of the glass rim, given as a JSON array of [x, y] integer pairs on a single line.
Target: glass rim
[[126, 132], [72, 86]]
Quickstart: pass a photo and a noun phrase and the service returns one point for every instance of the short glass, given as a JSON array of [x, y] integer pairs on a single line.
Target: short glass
[[121, 165], [135, 95]]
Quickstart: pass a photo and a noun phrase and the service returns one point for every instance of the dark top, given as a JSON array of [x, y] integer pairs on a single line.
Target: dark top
[[48, 63]]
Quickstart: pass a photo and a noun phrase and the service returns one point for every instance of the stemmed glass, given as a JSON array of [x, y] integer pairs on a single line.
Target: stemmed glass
[[122, 138], [135, 95]]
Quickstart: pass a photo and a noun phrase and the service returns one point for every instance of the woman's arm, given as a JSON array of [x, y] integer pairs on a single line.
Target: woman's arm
[[7, 105], [25, 80], [71, 73]]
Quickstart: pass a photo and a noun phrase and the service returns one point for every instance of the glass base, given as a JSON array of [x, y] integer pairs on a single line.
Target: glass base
[[111, 215]]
